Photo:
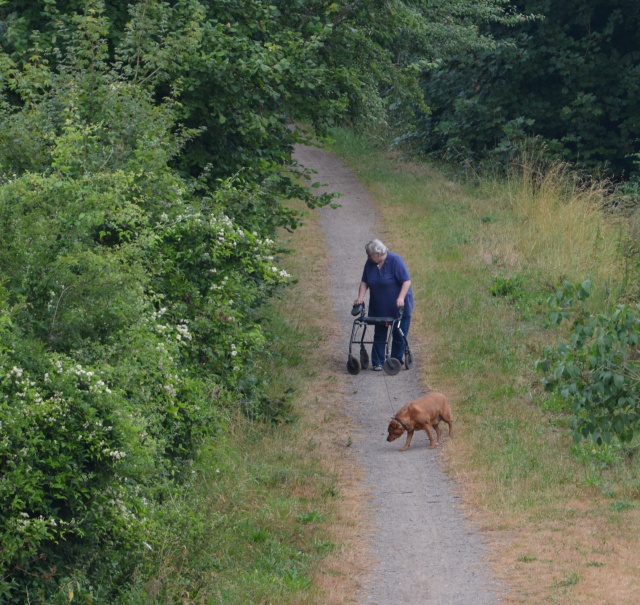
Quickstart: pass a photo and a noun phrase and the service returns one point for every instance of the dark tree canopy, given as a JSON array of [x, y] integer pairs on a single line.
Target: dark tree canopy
[[570, 78]]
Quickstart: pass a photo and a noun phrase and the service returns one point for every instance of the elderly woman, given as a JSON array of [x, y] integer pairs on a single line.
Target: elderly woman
[[387, 278]]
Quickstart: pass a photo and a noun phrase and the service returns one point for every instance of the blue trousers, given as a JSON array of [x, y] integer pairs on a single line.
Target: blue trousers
[[397, 342]]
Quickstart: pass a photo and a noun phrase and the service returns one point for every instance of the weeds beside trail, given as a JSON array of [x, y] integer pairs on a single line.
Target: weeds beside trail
[[563, 517], [274, 513]]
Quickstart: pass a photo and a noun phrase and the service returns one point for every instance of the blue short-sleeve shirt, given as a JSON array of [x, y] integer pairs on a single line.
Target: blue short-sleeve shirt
[[385, 284]]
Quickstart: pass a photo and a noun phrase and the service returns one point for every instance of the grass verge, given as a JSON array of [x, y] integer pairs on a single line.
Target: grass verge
[[563, 518], [273, 514]]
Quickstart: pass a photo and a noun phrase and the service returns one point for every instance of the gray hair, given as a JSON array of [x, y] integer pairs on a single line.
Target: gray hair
[[375, 246]]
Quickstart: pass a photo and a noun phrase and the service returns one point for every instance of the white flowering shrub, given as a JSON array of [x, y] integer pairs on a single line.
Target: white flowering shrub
[[86, 450], [218, 275], [130, 298], [67, 459], [128, 323]]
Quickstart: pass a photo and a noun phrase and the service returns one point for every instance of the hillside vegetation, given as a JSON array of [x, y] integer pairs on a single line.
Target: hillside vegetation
[[146, 188], [495, 263]]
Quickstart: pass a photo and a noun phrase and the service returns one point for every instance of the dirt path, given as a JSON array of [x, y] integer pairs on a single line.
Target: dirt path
[[425, 551]]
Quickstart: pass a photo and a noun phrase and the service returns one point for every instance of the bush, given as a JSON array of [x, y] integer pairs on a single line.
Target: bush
[[597, 370], [129, 320]]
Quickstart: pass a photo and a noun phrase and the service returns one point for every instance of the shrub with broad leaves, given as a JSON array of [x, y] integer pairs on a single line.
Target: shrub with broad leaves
[[597, 371]]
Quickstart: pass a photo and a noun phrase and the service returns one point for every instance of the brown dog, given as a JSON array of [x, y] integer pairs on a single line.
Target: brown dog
[[422, 413]]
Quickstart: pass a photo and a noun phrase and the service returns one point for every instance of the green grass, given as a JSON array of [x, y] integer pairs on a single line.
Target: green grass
[[251, 526], [484, 258], [482, 269]]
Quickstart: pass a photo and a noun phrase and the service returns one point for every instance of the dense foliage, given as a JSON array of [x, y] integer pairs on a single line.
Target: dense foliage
[[129, 300], [568, 76], [596, 372], [145, 158]]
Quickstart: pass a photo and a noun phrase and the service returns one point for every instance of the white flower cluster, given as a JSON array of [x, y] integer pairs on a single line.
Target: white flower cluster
[[115, 454], [262, 242], [117, 503], [268, 243], [223, 220], [8, 178], [25, 384], [220, 286], [181, 327], [224, 226], [95, 384], [183, 330], [280, 272], [159, 313], [26, 522], [15, 371]]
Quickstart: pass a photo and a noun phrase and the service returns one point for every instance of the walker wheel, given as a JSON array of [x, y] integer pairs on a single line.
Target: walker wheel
[[353, 365], [391, 366], [364, 358], [408, 359]]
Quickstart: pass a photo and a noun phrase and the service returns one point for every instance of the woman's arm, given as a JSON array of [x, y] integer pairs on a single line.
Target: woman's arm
[[403, 293], [364, 286]]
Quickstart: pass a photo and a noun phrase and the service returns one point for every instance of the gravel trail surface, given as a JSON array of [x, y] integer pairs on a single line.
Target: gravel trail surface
[[425, 551]]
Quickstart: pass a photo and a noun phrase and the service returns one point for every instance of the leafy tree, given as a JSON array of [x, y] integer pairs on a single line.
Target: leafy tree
[[245, 69], [569, 78]]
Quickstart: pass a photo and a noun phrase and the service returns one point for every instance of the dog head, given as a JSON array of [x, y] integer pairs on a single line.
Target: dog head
[[395, 430]]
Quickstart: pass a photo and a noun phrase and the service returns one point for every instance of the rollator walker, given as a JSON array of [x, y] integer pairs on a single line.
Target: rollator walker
[[391, 365]]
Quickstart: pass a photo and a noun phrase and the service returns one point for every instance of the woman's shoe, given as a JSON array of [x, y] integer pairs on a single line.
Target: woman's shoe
[[377, 368]]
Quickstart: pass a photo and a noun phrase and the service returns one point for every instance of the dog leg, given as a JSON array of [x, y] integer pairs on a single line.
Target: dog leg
[[430, 433], [408, 443], [450, 427], [438, 431]]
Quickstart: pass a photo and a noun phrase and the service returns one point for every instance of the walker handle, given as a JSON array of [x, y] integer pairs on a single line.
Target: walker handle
[[357, 309]]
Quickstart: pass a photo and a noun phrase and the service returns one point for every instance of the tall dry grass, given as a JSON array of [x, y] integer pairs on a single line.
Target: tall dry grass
[[560, 224]]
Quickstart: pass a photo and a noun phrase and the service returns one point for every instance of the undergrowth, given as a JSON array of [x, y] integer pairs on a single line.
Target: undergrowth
[[257, 522], [485, 257]]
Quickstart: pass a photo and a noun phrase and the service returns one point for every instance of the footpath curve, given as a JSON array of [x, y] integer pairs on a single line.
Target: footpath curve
[[424, 550]]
